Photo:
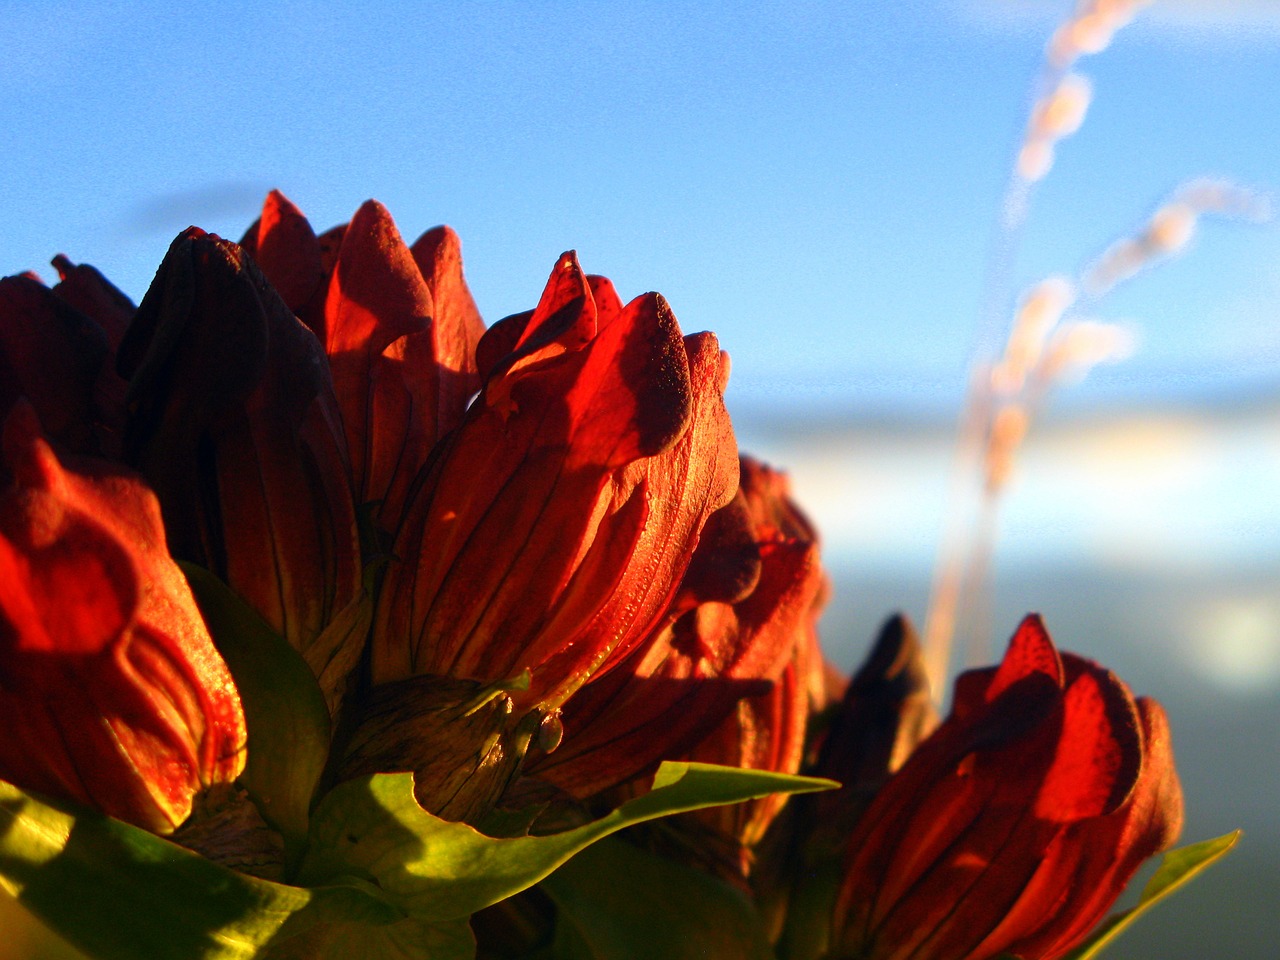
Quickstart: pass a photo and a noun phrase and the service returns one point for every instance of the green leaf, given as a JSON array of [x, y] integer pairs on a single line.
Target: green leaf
[[284, 709], [1178, 868], [621, 903], [806, 934], [118, 892], [437, 870]]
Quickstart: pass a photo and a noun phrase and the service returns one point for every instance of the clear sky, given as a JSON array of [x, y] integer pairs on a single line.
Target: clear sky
[[816, 181]]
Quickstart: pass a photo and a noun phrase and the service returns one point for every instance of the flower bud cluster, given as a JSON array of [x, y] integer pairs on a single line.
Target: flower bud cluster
[[522, 561]]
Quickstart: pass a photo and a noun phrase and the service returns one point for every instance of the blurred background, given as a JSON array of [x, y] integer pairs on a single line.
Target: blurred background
[[818, 182]]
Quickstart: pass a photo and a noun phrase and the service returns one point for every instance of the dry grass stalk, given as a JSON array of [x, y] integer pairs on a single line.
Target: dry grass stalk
[[1060, 105], [1170, 229], [1048, 343]]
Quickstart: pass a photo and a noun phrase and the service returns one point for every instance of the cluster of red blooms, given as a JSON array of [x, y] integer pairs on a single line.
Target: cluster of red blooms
[[526, 560]]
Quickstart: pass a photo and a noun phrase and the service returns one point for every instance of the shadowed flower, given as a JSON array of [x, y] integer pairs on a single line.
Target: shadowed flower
[[111, 692], [54, 355], [883, 715], [232, 421], [1018, 822], [398, 325]]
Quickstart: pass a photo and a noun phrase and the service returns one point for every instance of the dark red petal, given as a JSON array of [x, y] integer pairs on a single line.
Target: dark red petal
[[608, 304], [725, 567], [498, 342], [52, 354], [95, 296], [287, 250]]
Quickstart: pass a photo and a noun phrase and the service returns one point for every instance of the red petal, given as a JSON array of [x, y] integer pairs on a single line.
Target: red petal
[[376, 296], [1099, 753], [287, 250], [563, 322], [113, 695], [570, 329], [457, 324], [1030, 652], [632, 398], [688, 482]]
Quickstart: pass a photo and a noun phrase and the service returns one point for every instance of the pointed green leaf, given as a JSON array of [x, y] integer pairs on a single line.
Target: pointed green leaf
[[437, 870], [118, 892], [1178, 868], [284, 708], [625, 904]]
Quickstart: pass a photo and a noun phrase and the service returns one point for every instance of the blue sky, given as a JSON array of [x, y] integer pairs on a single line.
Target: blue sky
[[816, 181]]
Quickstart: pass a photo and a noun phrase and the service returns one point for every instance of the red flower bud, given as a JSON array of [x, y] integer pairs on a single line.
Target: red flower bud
[[553, 526], [882, 715], [111, 692], [232, 420], [1018, 822], [547, 535]]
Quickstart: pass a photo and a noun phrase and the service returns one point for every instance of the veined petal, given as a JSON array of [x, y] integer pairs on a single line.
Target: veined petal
[[113, 693], [233, 422], [1018, 822]]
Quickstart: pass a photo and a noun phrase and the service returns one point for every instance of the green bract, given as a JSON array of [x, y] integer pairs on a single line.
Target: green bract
[[378, 869]]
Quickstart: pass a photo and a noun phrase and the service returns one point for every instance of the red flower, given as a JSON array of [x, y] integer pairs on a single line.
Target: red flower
[[111, 692], [545, 537], [551, 528], [233, 422], [1018, 822]]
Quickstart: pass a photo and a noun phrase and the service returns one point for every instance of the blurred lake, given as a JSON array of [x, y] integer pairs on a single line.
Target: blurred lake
[[1149, 539]]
